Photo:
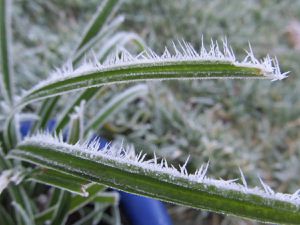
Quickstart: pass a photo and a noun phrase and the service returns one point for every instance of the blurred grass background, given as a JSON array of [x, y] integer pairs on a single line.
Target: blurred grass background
[[254, 125]]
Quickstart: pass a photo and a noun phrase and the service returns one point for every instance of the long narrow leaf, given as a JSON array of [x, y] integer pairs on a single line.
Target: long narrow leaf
[[76, 203], [25, 217], [60, 214], [6, 72], [88, 219], [76, 127], [61, 180], [95, 31], [186, 63], [100, 38], [100, 18], [86, 96], [120, 39], [121, 169], [45, 113], [116, 104]]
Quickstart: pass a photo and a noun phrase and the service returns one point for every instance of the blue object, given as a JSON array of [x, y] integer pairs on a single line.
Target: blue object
[[144, 211], [138, 210]]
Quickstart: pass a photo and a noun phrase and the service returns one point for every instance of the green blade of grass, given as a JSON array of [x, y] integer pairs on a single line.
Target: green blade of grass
[[76, 203], [123, 171], [11, 133], [22, 214], [6, 73], [60, 214], [101, 37], [100, 18], [86, 95], [142, 70], [115, 104], [120, 39], [60, 180], [44, 113], [111, 198], [92, 35], [76, 127]]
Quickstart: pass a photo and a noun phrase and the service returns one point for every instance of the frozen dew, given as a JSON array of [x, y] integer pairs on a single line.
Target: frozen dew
[[181, 51], [126, 158]]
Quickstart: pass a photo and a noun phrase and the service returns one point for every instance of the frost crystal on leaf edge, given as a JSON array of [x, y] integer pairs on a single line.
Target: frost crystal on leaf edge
[[127, 156], [181, 51]]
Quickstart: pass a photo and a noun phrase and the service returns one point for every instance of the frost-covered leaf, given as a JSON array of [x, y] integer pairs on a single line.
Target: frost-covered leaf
[[6, 71], [120, 168], [184, 63]]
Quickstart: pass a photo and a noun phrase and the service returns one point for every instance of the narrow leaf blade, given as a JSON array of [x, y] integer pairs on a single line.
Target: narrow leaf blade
[[6, 73], [60, 180], [100, 18], [115, 104], [186, 63], [120, 169]]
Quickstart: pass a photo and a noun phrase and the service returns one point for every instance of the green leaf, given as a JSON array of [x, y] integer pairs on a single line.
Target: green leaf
[[89, 218], [122, 170], [60, 180], [44, 114], [11, 133], [95, 32], [5, 217], [124, 67], [76, 127], [115, 104], [86, 95], [76, 203], [119, 40], [6, 72], [100, 18], [100, 39], [60, 214], [25, 217], [20, 197], [111, 198]]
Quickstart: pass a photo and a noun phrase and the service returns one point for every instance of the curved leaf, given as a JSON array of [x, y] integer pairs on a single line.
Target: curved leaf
[[121, 169], [186, 63]]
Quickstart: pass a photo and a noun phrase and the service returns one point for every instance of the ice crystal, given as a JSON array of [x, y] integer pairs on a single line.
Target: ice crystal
[[127, 156], [180, 51]]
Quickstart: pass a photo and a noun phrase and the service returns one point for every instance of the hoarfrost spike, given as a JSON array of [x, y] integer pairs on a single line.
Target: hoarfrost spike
[[182, 51], [127, 158], [243, 178]]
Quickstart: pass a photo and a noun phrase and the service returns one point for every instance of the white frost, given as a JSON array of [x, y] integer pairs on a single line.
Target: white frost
[[127, 157], [180, 52]]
